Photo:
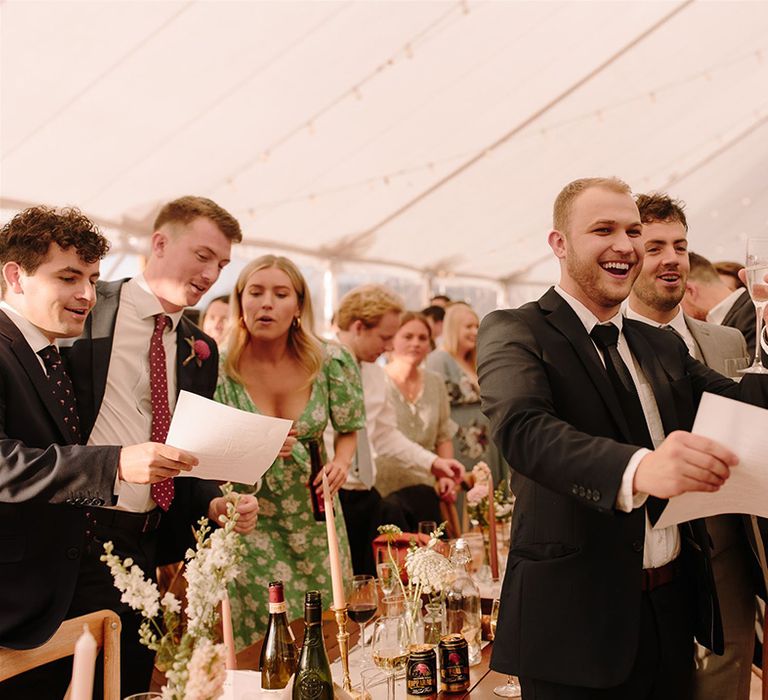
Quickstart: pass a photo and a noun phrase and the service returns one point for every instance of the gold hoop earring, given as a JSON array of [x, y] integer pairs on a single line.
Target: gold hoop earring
[[296, 322]]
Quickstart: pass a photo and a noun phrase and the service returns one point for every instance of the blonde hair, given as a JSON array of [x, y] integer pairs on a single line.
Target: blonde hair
[[451, 328], [562, 209], [303, 344], [368, 304]]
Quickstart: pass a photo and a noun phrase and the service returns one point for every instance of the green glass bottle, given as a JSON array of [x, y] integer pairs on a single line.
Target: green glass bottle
[[313, 678], [279, 656]]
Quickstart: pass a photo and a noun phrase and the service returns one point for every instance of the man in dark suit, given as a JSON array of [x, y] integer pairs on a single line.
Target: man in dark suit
[[50, 264], [136, 353], [655, 299], [590, 410], [708, 298]]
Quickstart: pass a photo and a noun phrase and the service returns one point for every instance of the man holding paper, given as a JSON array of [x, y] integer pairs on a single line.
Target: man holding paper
[[593, 409], [136, 353], [655, 299]]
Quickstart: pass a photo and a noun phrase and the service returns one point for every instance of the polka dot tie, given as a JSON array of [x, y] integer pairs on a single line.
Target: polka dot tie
[[162, 492], [61, 388]]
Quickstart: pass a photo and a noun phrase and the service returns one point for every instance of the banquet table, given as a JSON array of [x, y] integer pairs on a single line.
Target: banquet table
[[482, 680]]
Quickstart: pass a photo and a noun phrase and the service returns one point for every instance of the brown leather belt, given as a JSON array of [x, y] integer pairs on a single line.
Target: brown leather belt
[[653, 578]]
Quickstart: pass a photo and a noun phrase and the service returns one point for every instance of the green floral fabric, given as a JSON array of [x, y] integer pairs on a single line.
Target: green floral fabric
[[287, 543]]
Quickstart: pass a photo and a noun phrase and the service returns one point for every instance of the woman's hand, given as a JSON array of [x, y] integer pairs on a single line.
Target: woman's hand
[[290, 441], [446, 489], [336, 472]]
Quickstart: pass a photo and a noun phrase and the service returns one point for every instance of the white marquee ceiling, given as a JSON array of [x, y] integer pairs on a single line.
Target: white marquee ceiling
[[430, 135]]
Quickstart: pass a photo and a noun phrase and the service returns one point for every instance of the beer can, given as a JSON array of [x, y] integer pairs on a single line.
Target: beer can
[[421, 672], [454, 664]]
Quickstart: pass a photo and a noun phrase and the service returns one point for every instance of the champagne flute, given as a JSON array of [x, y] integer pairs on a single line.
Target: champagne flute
[[757, 268], [387, 578], [389, 648], [511, 689], [362, 600]]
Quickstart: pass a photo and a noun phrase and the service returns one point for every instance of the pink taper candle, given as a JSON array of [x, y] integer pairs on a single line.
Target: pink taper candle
[[494, 553], [83, 666], [333, 549], [229, 637]]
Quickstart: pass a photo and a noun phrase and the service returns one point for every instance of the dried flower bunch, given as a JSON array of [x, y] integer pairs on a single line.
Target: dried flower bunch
[[477, 498]]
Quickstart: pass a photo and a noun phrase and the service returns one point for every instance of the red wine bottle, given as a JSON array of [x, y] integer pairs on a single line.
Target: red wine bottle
[[316, 468], [279, 656]]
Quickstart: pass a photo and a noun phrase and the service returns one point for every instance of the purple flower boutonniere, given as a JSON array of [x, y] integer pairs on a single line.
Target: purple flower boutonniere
[[199, 351]]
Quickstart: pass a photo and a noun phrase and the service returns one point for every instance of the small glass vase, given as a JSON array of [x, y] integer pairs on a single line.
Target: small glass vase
[[414, 622], [434, 623]]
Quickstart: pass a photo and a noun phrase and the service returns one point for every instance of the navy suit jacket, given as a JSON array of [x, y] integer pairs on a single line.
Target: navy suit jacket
[[88, 362], [575, 563], [44, 480]]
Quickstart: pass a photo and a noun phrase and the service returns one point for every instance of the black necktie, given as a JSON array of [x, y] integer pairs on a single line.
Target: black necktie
[[62, 390], [606, 338]]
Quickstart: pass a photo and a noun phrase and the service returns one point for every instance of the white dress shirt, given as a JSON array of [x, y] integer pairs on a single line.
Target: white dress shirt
[[718, 312], [661, 546], [125, 416], [678, 323], [32, 334]]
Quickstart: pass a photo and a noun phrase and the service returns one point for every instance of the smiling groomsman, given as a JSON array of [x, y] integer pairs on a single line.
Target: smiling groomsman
[[655, 299]]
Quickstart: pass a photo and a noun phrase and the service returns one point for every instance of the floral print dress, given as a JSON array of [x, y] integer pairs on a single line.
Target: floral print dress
[[287, 543], [472, 442]]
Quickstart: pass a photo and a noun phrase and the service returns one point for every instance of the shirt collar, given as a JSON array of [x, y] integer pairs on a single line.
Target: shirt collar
[[146, 303], [719, 311], [32, 334], [585, 315], [678, 322]]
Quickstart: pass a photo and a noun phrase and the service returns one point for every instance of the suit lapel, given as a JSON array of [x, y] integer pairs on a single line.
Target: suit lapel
[[736, 308], [565, 320], [31, 365], [654, 372]]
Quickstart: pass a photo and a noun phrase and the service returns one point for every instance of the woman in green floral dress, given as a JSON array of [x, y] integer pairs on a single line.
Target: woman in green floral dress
[[274, 365]]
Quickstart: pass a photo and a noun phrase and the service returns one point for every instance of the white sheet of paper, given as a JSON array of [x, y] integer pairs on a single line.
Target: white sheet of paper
[[742, 429], [232, 445]]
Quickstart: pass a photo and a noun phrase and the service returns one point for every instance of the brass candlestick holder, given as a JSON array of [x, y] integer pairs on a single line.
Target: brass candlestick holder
[[343, 639]]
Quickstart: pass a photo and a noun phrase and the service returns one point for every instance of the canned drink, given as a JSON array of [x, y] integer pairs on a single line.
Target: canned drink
[[454, 664], [421, 672]]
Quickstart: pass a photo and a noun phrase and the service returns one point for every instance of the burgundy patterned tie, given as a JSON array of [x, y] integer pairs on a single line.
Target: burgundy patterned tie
[[162, 492], [61, 388]]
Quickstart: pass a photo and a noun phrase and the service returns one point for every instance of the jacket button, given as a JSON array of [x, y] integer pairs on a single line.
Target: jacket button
[[637, 546], [73, 553], [581, 491], [575, 490], [595, 495], [589, 494]]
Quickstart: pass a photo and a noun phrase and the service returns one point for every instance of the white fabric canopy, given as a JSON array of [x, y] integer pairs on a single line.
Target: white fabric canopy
[[428, 135]]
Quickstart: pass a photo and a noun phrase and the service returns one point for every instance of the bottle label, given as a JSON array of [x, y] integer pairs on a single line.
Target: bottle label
[[311, 686], [277, 608]]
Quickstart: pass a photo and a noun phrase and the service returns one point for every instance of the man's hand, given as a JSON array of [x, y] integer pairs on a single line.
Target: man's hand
[[446, 489], [247, 510], [336, 472], [151, 462], [451, 468], [290, 441], [684, 462]]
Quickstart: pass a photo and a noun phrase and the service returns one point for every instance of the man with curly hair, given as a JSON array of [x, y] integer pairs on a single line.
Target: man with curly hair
[[50, 263]]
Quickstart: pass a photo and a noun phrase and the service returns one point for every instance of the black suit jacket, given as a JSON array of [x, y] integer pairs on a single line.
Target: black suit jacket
[[572, 590], [88, 362], [742, 316], [43, 480]]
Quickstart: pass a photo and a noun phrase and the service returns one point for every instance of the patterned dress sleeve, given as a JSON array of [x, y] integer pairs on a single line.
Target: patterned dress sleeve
[[345, 390]]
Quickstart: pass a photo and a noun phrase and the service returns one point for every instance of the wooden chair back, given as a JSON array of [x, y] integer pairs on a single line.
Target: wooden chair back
[[104, 625]]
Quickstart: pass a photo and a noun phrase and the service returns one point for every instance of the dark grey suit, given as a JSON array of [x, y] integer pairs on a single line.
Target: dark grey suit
[[742, 316]]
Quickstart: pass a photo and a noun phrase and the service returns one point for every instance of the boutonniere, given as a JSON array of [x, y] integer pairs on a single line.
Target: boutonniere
[[198, 351]]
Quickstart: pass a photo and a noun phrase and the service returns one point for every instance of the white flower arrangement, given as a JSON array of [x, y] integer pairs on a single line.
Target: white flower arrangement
[[194, 666]]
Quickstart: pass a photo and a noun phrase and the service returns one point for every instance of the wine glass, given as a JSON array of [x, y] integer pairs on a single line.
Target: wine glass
[[756, 269], [390, 652], [362, 600], [387, 578], [511, 689], [426, 527]]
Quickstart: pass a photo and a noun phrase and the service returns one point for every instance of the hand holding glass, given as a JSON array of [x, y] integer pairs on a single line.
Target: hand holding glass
[[757, 269]]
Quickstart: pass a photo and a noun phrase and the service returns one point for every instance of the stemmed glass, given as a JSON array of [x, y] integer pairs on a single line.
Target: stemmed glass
[[390, 652], [511, 689], [363, 600], [387, 578], [757, 268], [426, 527]]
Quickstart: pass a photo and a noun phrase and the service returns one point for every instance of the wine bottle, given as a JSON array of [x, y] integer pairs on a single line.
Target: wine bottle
[[313, 678], [316, 467], [279, 656]]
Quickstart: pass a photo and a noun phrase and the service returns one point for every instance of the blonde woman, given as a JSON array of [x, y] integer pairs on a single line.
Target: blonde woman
[[456, 362], [423, 416], [275, 365]]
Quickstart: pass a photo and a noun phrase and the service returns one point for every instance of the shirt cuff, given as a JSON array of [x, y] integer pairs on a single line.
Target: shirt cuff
[[626, 501]]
